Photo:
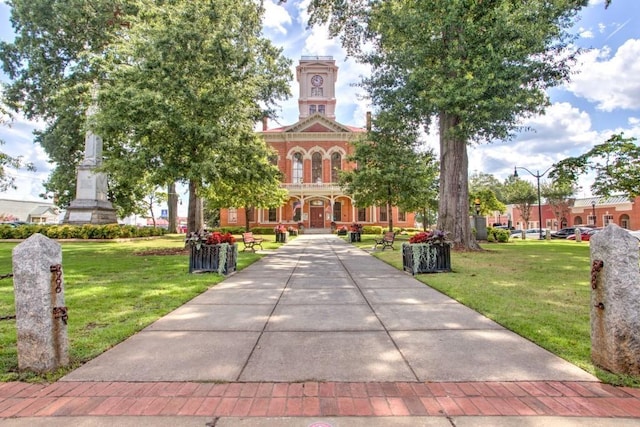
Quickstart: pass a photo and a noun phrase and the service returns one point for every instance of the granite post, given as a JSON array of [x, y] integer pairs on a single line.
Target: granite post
[[615, 301], [41, 315]]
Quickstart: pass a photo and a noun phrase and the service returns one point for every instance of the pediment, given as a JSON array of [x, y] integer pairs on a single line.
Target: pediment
[[317, 123]]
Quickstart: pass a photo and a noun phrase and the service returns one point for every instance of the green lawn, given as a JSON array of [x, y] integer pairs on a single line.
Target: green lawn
[[538, 289], [112, 290]]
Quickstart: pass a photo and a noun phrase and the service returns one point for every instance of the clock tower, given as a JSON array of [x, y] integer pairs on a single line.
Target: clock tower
[[317, 77]]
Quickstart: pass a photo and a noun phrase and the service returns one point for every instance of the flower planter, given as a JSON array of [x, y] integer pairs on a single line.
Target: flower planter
[[426, 258], [221, 258], [354, 236], [281, 237]]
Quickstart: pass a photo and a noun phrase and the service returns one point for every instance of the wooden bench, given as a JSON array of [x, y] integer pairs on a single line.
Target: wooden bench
[[251, 242], [386, 241]]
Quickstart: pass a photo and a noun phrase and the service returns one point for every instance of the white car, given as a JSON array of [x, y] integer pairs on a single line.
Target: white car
[[530, 233]]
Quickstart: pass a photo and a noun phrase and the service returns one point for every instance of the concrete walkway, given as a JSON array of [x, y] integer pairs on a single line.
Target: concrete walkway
[[322, 329]]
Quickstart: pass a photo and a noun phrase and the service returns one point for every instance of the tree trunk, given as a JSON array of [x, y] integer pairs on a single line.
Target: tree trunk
[[172, 204], [453, 209], [248, 211], [389, 211], [195, 218]]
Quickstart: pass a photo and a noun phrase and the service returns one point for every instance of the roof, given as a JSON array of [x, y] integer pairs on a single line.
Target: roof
[[601, 201], [22, 209], [316, 123]]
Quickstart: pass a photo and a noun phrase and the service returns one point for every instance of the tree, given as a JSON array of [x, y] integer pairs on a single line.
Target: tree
[[616, 164], [389, 171], [522, 194], [253, 182], [176, 79], [51, 75], [488, 190], [485, 181], [183, 86], [477, 67], [558, 197]]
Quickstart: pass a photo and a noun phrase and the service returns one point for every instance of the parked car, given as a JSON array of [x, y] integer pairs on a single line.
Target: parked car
[[563, 233], [585, 234], [530, 233]]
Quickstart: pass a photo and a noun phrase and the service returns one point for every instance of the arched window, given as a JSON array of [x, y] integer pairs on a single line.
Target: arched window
[[624, 221], [297, 168], [337, 211], [316, 168], [336, 166]]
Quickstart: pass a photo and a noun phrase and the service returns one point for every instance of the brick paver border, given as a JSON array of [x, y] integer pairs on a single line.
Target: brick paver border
[[315, 399]]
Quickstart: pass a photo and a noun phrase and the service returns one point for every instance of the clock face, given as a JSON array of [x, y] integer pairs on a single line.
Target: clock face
[[316, 80]]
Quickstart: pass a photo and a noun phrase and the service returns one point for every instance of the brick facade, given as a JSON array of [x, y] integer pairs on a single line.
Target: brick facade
[[310, 153], [619, 210]]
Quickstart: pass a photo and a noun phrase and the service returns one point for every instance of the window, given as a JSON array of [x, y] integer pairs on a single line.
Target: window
[[316, 168], [624, 221], [383, 214], [312, 109], [362, 214], [233, 215], [297, 168], [607, 219], [402, 215], [577, 221], [337, 211], [321, 109], [297, 210], [249, 214], [272, 215], [336, 166], [316, 91], [591, 219]]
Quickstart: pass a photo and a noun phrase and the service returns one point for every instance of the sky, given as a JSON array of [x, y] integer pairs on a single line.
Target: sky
[[602, 97]]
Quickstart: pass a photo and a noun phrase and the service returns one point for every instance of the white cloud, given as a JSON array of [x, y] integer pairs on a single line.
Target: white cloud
[[18, 138], [585, 33], [276, 17], [610, 82]]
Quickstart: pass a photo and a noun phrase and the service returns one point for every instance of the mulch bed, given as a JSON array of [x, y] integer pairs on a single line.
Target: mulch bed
[[163, 251]]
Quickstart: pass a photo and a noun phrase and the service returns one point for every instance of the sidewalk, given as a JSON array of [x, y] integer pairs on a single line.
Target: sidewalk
[[322, 329]]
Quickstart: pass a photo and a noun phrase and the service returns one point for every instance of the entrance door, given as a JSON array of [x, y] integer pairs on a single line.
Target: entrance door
[[316, 217]]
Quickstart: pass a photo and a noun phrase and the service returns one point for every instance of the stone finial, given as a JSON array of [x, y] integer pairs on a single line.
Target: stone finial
[[615, 301]]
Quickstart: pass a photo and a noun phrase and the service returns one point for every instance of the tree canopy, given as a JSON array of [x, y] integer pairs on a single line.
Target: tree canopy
[[179, 86], [390, 172], [476, 67], [616, 164]]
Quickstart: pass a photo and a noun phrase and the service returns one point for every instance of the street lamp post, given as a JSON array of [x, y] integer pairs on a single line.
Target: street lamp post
[[593, 209], [537, 176]]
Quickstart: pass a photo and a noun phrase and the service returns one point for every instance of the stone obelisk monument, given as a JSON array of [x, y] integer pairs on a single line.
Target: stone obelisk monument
[[91, 205]]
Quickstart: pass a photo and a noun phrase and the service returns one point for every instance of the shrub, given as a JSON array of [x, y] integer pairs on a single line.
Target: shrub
[[372, 229], [499, 235], [262, 230]]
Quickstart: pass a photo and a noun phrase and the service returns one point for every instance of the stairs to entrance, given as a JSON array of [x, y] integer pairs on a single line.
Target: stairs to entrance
[[317, 231]]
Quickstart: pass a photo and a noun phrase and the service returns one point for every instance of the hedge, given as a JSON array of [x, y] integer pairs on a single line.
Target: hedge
[[87, 231]]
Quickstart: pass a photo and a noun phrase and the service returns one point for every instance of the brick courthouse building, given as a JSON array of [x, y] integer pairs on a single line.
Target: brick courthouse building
[[310, 155]]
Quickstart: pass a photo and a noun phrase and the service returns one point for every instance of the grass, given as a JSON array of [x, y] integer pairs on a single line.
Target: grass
[[112, 291], [539, 289]]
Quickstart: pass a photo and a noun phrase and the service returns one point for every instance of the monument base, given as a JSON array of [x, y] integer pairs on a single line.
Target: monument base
[[86, 211]]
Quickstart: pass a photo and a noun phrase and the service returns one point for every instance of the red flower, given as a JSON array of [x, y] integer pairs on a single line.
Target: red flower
[[217, 237]]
